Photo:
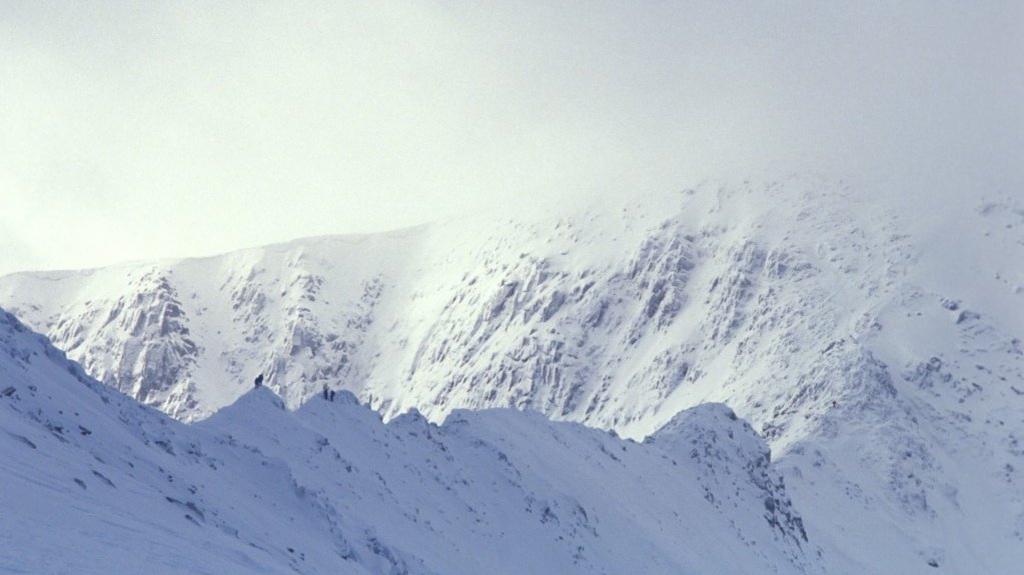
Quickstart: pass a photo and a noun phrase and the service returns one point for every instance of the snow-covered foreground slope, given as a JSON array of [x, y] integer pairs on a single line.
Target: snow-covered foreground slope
[[95, 483], [874, 342]]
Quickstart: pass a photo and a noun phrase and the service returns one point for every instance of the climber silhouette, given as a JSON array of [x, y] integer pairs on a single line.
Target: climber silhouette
[[258, 381]]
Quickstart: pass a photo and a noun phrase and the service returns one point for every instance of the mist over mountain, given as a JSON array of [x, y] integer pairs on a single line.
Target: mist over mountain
[[512, 287], [193, 130]]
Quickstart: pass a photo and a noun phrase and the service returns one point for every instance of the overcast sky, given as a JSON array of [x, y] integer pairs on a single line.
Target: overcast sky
[[138, 130]]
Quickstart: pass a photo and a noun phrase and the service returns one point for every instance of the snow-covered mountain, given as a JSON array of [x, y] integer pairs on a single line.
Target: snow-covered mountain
[[874, 342], [93, 482]]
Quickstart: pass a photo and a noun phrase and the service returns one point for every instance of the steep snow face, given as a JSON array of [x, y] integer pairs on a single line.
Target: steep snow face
[[875, 344], [95, 483], [188, 337]]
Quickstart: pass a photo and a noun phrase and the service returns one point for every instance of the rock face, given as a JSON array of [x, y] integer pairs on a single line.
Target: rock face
[[90, 477], [876, 346], [730, 455], [138, 342]]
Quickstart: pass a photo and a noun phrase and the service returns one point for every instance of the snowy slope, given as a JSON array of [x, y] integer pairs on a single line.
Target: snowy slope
[[875, 344], [95, 483]]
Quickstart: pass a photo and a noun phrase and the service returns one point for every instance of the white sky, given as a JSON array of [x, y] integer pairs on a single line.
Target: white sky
[[139, 130]]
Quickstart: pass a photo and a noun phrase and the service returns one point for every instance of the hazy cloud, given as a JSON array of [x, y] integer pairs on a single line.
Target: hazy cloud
[[139, 130]]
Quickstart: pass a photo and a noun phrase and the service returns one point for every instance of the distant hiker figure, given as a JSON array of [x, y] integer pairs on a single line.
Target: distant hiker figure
[[258, 381], [328, 393]]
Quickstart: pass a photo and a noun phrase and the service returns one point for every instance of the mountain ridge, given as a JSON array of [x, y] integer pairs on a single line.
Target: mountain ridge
[[869, 339], [94, 482]]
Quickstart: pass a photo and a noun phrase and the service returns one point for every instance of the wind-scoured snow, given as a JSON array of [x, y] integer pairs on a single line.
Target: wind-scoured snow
[[874, 342], [95, 483]]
